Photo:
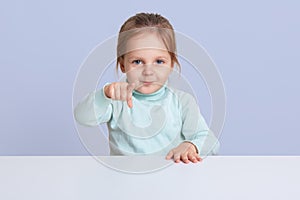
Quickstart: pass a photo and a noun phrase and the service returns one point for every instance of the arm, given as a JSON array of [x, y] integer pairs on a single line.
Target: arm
[[95, 108], [199, 140], [195, 129]]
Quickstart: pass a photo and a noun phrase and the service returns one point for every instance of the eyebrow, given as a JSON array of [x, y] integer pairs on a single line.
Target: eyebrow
[[134, 58]]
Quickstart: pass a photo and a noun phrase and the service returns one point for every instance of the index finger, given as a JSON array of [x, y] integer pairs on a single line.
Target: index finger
[[130, 89]]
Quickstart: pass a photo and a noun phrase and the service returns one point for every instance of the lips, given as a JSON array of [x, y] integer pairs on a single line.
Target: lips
[[147, 82]]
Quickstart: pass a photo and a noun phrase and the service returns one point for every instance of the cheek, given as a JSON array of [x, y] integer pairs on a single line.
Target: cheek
[[163, 73], [133, 74]]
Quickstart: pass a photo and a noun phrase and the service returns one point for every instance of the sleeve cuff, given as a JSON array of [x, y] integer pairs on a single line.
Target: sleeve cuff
[[101, 101], [206, 146]]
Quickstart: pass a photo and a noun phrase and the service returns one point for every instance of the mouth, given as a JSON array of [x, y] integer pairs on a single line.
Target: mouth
[[147, 82]]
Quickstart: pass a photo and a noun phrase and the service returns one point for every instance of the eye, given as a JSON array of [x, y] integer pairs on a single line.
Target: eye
[[159, 61], [137, 62]]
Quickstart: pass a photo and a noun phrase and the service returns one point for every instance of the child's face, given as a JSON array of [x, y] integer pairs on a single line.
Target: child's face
[[148, 63]]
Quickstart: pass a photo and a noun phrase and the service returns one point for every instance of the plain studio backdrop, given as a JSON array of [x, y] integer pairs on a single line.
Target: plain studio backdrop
[[255, 45]]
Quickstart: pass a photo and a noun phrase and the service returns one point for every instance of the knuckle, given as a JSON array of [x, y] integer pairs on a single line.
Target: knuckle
[[177, 155], [123, 95]]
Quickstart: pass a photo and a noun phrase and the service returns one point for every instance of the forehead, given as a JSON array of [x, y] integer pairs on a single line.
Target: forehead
[[151, 53], [145, 41]]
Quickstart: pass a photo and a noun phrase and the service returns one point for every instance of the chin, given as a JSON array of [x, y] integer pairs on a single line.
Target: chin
[[148, 90]]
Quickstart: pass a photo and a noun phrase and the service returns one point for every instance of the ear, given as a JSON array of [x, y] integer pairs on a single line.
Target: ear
[[121, 62]]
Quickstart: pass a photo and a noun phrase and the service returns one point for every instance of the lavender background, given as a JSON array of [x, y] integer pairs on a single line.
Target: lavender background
[[255, 45]]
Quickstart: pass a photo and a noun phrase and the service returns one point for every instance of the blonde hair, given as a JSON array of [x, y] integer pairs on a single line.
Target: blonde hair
[[156, 23]]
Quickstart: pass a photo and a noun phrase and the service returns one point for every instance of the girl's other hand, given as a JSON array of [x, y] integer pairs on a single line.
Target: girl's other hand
[[120, 91], [184, 152]]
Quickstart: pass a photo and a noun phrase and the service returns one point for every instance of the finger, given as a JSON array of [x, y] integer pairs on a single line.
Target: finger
[[170, 155], [177, 157], [192, 158], [111, 91], [117, 92], [198, 157], [130, 89], [184, 158], [123, 92], [129, 102], [137, 84]]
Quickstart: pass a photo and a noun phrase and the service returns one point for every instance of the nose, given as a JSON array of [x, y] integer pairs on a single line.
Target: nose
[[147, 70]]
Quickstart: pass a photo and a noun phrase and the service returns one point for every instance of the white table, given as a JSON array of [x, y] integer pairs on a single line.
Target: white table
[[83, 177]]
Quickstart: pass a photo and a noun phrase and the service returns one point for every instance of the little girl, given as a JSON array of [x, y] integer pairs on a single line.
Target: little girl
[[144, 115]]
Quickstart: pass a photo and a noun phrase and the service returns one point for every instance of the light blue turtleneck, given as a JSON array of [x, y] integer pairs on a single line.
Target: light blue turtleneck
[[155, 124]]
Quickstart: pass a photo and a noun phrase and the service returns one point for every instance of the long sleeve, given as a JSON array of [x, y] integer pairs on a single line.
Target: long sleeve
[[195, 129], [95, 108]]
